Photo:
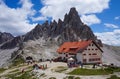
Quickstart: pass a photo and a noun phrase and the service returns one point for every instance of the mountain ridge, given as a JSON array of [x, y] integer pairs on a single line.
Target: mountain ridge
[[43, 41], [5, 37], [71, 29]]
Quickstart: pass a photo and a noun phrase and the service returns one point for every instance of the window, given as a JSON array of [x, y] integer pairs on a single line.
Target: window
[[94, 59], [97, 59], [84, 60], [90, 59], [92, 49], [66, 55], [84, 54], [94, 54], [88, 49], [89, 44], [96, 49], [89, 53], [92, 44]]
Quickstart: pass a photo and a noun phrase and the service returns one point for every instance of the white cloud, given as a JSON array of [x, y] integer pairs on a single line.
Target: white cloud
[[39, 18], [15, 20], [117, 31], [90, 19], [117, 18], [56, 9], [111, 25], [110, 38]]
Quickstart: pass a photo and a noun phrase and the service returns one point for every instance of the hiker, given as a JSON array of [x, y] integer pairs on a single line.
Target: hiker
[[46, 66], [35, 66], [23, 70], [50, 60], [94, 65]]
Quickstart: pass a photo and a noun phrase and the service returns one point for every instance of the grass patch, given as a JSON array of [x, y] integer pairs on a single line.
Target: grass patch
[[77, 77], [2, 70], [60, 69], [18, 61], [70, 77], [115, 69], [52, 78], [114, 77], [80, 71], [20, 75], [12, 76]]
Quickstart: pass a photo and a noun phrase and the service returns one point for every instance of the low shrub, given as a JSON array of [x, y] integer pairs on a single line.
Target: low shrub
[[17, 61], [70, 77], [52, 78], [2, 70], [20, 75], [77, 77], [114, 77]]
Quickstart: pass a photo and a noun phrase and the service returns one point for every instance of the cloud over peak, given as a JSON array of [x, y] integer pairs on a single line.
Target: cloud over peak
[[57, 9], [19, 18]]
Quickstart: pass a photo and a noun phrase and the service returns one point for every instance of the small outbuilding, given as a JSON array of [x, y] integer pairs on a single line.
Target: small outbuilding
[[29, 60]]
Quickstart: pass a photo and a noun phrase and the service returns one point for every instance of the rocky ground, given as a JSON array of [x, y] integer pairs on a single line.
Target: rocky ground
[[50, 72], [111, 55]]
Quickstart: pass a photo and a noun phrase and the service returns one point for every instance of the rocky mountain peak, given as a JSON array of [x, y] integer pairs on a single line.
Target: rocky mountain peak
[[5, 37], [44, 39], [70, 29], [72, 17]]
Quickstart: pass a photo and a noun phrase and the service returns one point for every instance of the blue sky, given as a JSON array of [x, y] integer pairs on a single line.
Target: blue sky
[[103, 16]]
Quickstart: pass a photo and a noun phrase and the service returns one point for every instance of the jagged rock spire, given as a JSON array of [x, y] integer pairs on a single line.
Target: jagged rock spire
[[72, 17], [70, 29]]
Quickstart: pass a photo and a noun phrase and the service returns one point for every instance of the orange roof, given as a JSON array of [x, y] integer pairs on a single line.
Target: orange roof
[[73, 47]]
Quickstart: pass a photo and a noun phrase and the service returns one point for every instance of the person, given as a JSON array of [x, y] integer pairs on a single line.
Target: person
[[46, 66], [35, 66], [50, 60], [94, 65], [23, 70], [81, 65]]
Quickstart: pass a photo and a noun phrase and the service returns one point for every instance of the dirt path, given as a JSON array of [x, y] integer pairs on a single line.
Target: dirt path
[[50, 73]]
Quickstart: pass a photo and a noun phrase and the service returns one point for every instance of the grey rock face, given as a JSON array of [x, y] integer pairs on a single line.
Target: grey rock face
[[70, 29], [5, 37], [43, 40], [12, 43]]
